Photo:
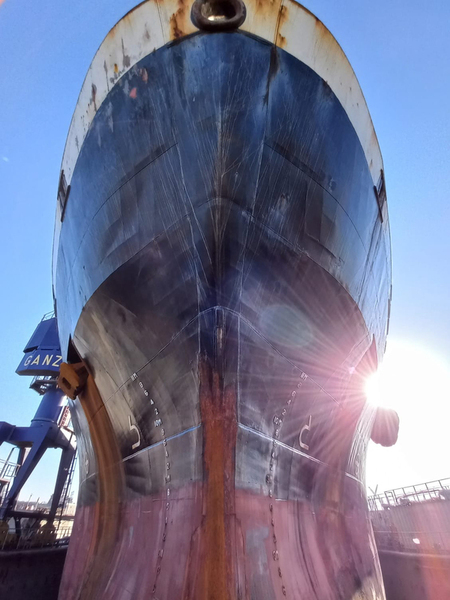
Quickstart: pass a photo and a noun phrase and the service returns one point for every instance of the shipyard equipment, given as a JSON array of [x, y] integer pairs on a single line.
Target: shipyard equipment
[[48, 428]]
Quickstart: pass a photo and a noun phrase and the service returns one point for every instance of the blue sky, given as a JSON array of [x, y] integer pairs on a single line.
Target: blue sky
[[400, 53]]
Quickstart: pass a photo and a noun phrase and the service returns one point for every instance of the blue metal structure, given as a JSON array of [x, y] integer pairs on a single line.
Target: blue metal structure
[[42, 355], [48, 428]]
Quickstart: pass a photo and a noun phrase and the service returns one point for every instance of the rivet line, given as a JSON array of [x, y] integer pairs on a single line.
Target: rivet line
[[278, 421], [158, 422]]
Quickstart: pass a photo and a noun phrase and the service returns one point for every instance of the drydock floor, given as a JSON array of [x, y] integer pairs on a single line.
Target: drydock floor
[[36, 574], [31, 574]]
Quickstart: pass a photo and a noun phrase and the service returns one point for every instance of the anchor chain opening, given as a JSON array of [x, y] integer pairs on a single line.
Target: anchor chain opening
[[218, 15]]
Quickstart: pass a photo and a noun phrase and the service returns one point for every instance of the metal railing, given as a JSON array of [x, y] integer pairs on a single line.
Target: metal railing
[[431, 490], [8, 469], [413, 518], [41, 383], [48, 315], [36, 537]]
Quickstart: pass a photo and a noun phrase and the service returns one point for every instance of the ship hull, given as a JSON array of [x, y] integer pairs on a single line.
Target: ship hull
[[224, 274]]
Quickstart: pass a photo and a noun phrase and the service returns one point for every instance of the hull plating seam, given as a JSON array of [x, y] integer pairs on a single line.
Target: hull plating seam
[[244, 320], [294, 450]]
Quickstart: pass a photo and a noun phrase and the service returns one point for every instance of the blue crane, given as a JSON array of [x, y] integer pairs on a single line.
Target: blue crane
[[49, 427]]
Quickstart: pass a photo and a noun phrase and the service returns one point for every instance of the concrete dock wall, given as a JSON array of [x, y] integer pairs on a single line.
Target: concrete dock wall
[[410, 576], [31, 574]]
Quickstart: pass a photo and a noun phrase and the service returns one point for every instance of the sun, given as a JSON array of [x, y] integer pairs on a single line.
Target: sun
[[415, 382], [409, 378]]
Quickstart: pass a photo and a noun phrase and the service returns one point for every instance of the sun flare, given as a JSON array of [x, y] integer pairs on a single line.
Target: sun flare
[[415, 382], [409, 378]]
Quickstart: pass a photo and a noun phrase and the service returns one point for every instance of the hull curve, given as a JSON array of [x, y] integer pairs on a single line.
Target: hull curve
[[224, 273]]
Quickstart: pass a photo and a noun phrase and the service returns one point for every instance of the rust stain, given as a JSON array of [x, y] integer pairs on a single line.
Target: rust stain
[[175, 31], [283, 15], [112, 33], [116, 68], [281, 40], [215, 579], [322, 31], [102, 547], [264, 6], [133, 93], [177, 20]]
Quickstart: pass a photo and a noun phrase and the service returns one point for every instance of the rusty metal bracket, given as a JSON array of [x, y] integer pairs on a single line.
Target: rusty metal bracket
[[72, 379]]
